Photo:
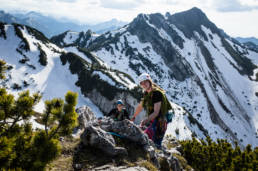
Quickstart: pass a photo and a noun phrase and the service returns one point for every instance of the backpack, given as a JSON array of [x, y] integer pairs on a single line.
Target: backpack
[[169, 116]]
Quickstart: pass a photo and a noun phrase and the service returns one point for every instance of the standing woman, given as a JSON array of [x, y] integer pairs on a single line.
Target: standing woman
[[156, 105]]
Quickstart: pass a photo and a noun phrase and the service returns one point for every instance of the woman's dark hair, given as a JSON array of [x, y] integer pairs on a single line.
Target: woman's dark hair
[[155, 86]]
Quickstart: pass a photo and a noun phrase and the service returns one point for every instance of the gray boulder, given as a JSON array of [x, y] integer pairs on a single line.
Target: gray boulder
[[126, 129], [86, 116], [119, 168], [96, 137]]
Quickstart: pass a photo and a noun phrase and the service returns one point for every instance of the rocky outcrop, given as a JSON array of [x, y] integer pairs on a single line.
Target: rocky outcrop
[[127, 129], [98, 134], [81, 39], [120, 168], [98, 138], [86, 116]]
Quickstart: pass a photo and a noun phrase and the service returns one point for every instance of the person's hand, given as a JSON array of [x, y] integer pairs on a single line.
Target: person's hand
[[144, 122], [99, 120], [133, 118]]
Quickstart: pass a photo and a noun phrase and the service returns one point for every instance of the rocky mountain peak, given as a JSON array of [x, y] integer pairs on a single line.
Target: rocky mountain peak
[[194, 16], [7, 18], [89, 32], [191, 20], [188, 22], [140, 17], [156, 19], [167, 14]]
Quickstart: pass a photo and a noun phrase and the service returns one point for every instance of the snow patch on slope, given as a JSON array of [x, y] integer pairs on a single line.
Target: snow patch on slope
[[53, 80], [70, 37]]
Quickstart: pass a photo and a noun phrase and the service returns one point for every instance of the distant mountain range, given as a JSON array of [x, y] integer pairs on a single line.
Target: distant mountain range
[[51, 26], [247, 39], [250, 42]]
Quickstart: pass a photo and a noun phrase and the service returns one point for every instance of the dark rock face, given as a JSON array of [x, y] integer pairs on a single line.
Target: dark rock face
[[251, 46], [245, 63], [58, 39], [190, 21], [2, 30], [163, 47], [82, 40]]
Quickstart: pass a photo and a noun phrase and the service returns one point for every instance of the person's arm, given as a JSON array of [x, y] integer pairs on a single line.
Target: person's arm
[[155, 113], [126, 114], [111, 112], [137, 111]]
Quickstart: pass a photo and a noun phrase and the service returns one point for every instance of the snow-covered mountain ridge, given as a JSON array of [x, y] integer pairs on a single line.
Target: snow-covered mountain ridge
[[210, 76], [37, 65], [202, 70]]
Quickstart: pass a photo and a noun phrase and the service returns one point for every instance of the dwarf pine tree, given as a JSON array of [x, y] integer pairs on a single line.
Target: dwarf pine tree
[[2, 69], [220, 155], [21, 147]]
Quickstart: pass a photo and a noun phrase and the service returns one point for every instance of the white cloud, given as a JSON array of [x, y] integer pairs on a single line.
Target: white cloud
[[172, 2], [234, 5], [121, 4], [71, 1]]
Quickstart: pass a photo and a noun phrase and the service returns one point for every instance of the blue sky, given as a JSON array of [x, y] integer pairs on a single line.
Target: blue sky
[[235, 17]]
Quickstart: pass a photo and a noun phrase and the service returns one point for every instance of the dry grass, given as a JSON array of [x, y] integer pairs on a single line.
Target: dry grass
[[183, 162], [171, 145], [164, 165], [148, 165], [65, 160]]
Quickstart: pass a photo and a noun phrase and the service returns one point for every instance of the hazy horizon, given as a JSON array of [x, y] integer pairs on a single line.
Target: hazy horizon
[[236, 17]]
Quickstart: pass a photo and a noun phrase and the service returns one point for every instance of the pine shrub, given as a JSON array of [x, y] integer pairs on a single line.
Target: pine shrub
[[2, 69], [220, 155], [23, 148]]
